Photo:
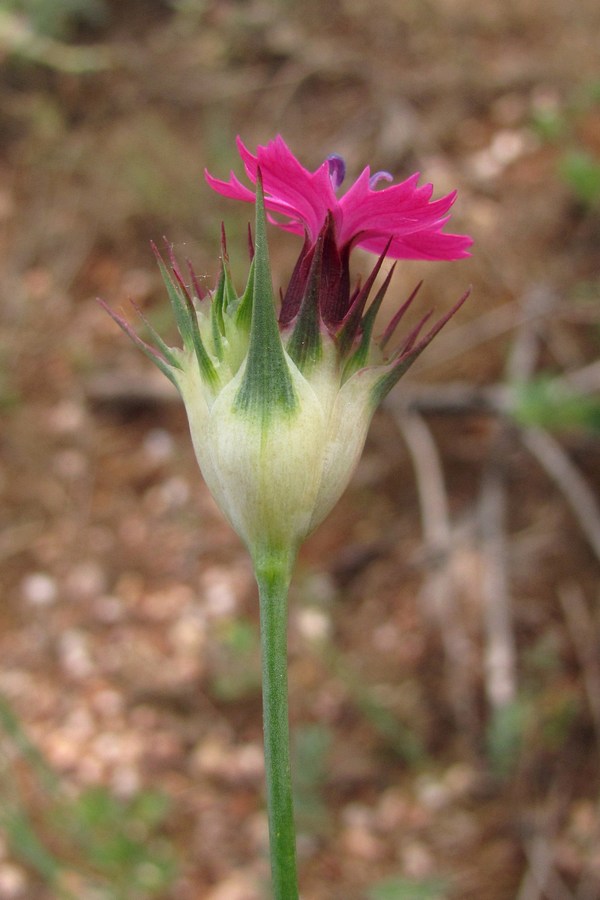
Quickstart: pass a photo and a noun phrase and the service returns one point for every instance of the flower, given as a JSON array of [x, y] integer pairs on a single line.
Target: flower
[[279, 407], [400, 222], [401, 218]]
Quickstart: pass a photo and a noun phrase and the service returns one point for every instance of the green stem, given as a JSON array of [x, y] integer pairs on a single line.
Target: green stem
[[273, 577]]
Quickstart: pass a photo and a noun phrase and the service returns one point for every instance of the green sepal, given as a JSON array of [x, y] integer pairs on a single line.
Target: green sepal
[[207, 369], [225, 303], [243, 313], [217, 323], [170, 353], [305, 345], [360, 357], [266, 384], [230, 297], [217, 337], [392, 375], [225, 299], [163, 364], [186, 318], [178, 303]]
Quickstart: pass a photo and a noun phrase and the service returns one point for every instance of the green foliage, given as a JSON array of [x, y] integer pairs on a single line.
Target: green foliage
[[120, 841], [91, 844], [548, 403], [34, 31], [9, 396], [194, 10], [578, 165], [541, 719], [409, 889], [542, 660], [550, 124], [559, 710], [505, 734], [580, 170], [58, 18]]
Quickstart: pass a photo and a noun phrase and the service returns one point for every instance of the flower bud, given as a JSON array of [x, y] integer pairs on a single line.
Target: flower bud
[[279, 410]]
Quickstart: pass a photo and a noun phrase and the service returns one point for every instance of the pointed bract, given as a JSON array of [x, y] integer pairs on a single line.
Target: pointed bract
[[266, 385], [305, 344]]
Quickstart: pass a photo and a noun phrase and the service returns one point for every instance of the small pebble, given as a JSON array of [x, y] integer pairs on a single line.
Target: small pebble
[[158, 445], [86, 580], [74, 654], [13, 882], [313, 624], [39, 589]]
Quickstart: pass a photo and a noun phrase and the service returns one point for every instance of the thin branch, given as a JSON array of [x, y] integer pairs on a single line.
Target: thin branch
[[440, 587], [586, 380], [541, 881], [500, 651], [569, 480], [435, 513], [584, 634]]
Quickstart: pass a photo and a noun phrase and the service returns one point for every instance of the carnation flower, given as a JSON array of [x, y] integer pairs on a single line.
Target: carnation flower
[[401, 218], [279, 403], [279, 406], [398, 222]]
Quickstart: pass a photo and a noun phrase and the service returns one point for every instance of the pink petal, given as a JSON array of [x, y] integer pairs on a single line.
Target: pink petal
[[397, 210], [426, 244], [363, 216], [232, 188], [290, 189]]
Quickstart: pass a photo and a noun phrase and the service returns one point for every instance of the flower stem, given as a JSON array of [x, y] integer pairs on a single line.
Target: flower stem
[[273, 577]]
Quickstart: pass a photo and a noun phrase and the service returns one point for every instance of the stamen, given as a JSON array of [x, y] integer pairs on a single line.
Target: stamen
[[379, 176], [337, 170]]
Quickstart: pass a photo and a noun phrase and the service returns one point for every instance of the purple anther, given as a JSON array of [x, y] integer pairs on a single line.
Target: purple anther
[[379, 176], [337, 170]]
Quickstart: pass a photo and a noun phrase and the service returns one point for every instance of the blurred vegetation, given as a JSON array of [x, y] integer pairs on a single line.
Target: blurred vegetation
[[549, 403], [409, 889], [38, 31], [578, 163], [580, 170], [58, 18], [90, 844]]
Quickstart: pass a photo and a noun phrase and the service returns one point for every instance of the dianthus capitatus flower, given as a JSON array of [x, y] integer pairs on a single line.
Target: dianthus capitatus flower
[[279, 402], [400, 221]]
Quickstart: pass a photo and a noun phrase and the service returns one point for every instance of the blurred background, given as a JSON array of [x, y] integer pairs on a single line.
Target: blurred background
[[444, 631]]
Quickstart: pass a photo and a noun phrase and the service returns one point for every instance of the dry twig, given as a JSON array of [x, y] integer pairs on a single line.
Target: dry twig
[[500, 652], [584, 634], [440, 588], [541, 881], [567, 477]]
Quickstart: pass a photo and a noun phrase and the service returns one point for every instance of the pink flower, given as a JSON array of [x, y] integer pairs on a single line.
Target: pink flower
[[401, 220]]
